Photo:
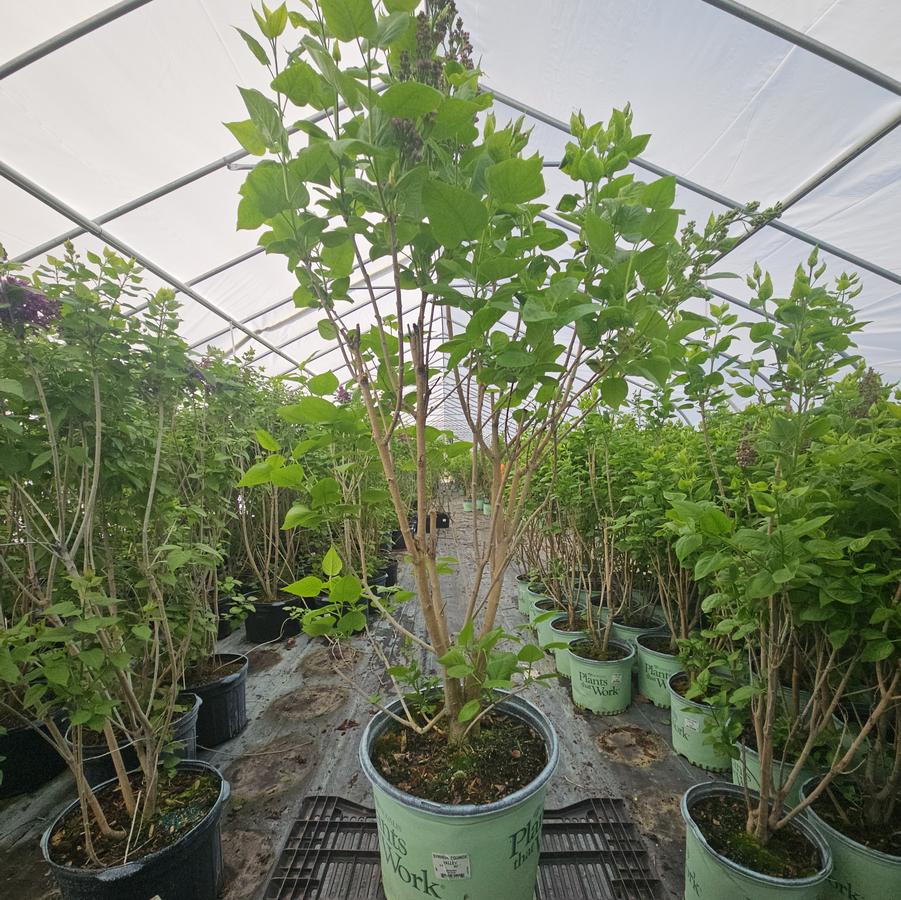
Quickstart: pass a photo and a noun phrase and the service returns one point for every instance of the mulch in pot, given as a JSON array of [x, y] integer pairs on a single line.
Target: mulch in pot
[[184, 800], [787, 854], [498, 758], [659, 643], [211, 671], [591, 650], [844, 807]]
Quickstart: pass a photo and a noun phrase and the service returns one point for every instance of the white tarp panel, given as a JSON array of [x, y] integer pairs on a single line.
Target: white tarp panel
[[139, 102]]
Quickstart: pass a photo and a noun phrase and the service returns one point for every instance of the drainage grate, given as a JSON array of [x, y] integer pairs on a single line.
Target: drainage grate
[[589, 851]]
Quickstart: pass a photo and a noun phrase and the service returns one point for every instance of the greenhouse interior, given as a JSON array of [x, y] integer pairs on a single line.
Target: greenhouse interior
[[450, 449]]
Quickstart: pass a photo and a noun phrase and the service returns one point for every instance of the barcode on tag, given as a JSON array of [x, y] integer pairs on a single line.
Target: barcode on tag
[[449, 866]]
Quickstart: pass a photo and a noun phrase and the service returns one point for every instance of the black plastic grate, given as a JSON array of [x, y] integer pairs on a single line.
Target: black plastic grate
[[589, 851]]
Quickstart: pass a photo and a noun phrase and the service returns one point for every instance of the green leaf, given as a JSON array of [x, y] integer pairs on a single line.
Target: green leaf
[[345, 589], [331, 562], [456, 120], [651, 265], [659, 227], [142, 632], [710, 563], [248, 136], [391, 28], [326, 383], [10, 386], [256, 48], [600, 236], [659, 194], [614, 391], [300, 83], [9, 671], [455, 215], [266, 440], [326, 329], [310, 586], [515, 180], [461, 671], [469, 711], [410, 100], [877, 650], [401, 5], [57, 673], [530, 653], [310, 411], [269, 189], [265, 115], [258, 473], [349, 19]]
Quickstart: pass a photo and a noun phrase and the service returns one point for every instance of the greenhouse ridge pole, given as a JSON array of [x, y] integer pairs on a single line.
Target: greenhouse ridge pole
[[808, 43], [26, 184], [69, 35], [798, 194]]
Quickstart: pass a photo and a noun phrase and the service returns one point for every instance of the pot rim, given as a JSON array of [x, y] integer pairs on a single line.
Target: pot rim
[[707, 788], [673, 692], [820, 823], [623, 645], [105, 751], [514, 705], [225, 679], [115, 872], [649, 634], [579, 633]]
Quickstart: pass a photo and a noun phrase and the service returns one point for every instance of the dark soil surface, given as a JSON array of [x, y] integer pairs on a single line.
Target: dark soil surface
[[590, 650], [659, 643], [787, 854], [503, 757], [183, 801], [547, 605], [637, 621], [10, 718], [213, 671], [843, 805], [566, 625]]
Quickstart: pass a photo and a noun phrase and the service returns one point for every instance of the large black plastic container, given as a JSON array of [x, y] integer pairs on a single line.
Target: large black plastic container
[[97, 763], [224, 625], [28, 760], [191, 869], [391, 572], [271, 622], [224, 711]]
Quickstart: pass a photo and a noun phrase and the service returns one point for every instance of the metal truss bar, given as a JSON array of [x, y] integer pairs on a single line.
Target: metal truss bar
[[309, 331], [325, 351], [223, 162], [77, 31], [356, 308], [810, 185], [808, 43], [87, 225], [217, 270]]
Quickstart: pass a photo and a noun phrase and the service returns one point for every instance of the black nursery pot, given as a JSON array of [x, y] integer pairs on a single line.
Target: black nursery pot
[[189, 869], [377, 581], [97, 763], [224, 711], [391, 572], [29, 760], [270, 622], [224, 627]]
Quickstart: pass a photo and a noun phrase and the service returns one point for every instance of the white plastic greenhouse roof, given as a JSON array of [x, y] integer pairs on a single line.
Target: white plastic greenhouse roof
[[112, 126]]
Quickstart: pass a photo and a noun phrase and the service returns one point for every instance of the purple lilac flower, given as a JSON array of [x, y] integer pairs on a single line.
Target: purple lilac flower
[[342, 395], [21, 304]]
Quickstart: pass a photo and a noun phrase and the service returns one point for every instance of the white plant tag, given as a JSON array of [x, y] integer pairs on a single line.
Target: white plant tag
[[692, 725], [616, 678], [450, 866]]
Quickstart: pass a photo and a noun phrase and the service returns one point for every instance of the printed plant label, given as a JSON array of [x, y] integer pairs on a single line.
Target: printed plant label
[[450, 866], [616, 678], [692, 725]]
